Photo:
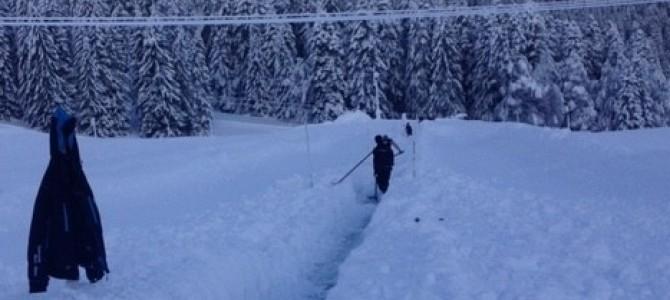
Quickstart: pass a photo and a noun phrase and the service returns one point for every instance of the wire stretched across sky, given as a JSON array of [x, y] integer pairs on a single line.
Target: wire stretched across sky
[[380, 15]]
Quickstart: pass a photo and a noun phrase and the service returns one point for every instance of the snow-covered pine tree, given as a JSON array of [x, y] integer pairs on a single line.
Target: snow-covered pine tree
[[572, 40], [88, 104], [293, 106], [468, 41], [163, 109], [144, 7], [227, 54], [219, 62], [446, 92], [282, 46], [652, 75], [9, 107], [495, 63], [665, 48], [259, 100], [520, 93], [328, 88], [627, 106], [521, 96], [517, 27], [654, 21], [653, 89], [331, 6], [555, 28], [418, 62], [135, 39], [595, 48], [536, 37], [611, 78], [120, 61], [192, 73], [99, 78], [303, 31], [365, 68], [192, 67], [43, 69], [549, 99], [282, 6], [392, 53], [504, 88], [237, 43], [546, 73], [90, 107], [523, 100], [579, 108]]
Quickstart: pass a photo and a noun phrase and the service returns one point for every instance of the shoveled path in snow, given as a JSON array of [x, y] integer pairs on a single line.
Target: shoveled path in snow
[[229, 217]]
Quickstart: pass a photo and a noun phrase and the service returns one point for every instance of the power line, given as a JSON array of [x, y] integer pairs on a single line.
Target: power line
[[384, 15]]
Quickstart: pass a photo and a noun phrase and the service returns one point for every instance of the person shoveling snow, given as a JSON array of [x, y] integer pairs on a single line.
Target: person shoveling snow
[[382, 163]]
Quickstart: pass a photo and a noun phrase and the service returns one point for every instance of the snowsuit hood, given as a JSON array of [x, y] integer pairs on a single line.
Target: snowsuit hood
[[63, 142]]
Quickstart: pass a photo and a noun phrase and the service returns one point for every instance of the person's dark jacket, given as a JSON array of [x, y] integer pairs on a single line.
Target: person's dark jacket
[[65, 231], [383, 157]]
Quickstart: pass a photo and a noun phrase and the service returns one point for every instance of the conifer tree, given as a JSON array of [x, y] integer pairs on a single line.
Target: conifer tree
[[192, 73], [365, 68], [579, 107], [9, 107], [43, 69], [282, 60], [391, 51], [613, 73], [259, 72], [162, 107], [640, 103], [327, 90], [493, 69], [446, 92], [418, 63], [594, 56]]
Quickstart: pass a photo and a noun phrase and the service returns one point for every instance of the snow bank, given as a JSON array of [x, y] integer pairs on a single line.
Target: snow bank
[[507, 211], [353, 117]]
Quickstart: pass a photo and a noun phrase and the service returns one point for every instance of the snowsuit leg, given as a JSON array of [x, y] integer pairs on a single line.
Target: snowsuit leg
[[382, 177]]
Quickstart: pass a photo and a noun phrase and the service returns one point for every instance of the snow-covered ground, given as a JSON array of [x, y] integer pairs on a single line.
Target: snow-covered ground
[[495, 211], [504, 211]]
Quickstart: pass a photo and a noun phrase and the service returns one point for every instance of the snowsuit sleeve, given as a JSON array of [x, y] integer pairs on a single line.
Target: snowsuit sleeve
[[92, 248], [38, 242], [91, 252]]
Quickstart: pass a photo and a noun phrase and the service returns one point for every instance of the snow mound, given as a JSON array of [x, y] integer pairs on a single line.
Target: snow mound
[[353, 117]]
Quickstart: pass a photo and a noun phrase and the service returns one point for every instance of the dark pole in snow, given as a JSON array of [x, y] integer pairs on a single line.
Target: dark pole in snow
[[353, 169]]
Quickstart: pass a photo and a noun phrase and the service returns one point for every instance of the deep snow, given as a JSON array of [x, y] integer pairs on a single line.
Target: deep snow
[[504, 211], [508, 211]]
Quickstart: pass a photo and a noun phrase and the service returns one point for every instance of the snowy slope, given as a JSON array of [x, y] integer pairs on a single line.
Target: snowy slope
[[225, 217], [526, 213], [513, 212]]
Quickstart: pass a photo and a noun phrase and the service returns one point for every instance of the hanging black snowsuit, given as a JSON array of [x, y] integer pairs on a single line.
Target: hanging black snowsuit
[[382, 160], [65, 232]]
